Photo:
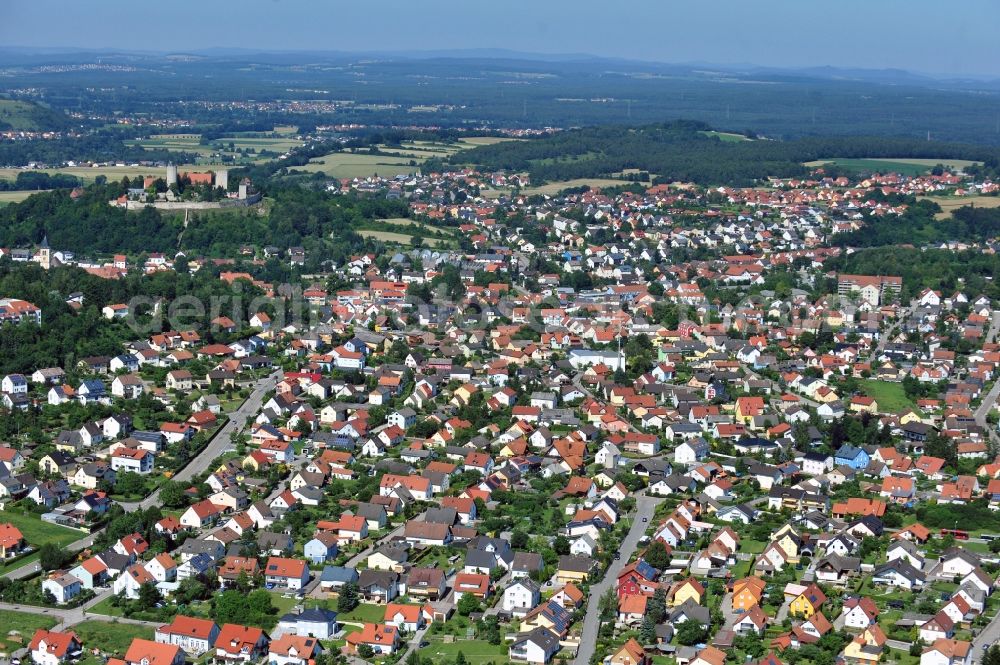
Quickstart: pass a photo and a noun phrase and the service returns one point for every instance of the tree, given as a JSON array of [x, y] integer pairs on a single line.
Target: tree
[[348, 598], [468, 604], [172, 495], [365, 651], [560, 545], [657, 555], [149, 596], [690, 633], [51, 556], [647, 632], [519, 540]]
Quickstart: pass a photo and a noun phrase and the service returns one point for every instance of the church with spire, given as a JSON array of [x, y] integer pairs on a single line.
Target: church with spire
[[43, 254]]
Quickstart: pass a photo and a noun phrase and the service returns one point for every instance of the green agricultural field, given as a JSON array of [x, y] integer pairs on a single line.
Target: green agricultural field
[[902, 165], [473, 141], [727, 137], [891, 397], [14, 197], [20, 115], [354, 165], [401, 238], [950, 203], [18, 627], [110, 636], [88, 174], [553, 188]]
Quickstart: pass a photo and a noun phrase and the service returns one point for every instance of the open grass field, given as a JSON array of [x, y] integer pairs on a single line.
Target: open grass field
[[37, 532], [87, 174], [473, 141], [401, 238], [23, 625], [14, 197], [227, 145], [476, 652], [891, 397], [363, 613], [352, 165], [727, 137], [950, 203], [110, 636], [553, 188], [19, 115], [901, 165]]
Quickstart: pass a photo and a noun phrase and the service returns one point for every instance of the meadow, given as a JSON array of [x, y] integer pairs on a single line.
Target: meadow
[[903, 166], [18, 627]]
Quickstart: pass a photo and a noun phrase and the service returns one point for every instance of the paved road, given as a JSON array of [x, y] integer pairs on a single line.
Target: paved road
[[67, 617], [220, 441], [645, 507], [988, 635], [991, 334]]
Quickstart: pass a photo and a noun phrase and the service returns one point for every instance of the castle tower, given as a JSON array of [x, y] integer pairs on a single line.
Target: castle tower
[[171, 174], [222, 179]]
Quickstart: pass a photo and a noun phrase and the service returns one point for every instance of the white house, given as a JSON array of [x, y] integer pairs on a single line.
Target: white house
[[63, 588], [135, 460], [53, 647], [195, 636], [691, 451], [520, 597]]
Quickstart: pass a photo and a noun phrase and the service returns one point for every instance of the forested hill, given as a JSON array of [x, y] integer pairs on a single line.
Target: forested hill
[[684, 150], [322, 223]]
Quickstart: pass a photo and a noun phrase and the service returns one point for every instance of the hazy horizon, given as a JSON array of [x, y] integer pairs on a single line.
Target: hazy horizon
[[916, 36]]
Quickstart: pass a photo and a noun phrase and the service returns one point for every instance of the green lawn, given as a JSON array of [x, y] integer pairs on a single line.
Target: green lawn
[[23, 624], [364, 613], [104, 607], [476, 652], [37, 533], [109, 636], [891, 397]]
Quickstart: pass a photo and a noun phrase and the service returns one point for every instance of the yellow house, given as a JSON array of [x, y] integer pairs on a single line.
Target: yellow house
[[689, 589], [808, 602], [747, 593], [866, 648], [573, 569], [910, 416], [789, 541], [863, 404], [749, 407], [826, 395]]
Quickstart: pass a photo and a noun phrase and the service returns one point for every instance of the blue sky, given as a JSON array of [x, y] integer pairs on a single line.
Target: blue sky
[[918, 35]]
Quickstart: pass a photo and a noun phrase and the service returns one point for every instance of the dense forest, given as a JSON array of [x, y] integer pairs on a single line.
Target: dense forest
[[684, 150], [919, 226], [973, 272], [87, 224]]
